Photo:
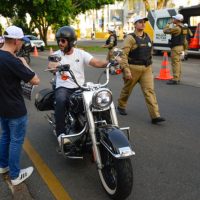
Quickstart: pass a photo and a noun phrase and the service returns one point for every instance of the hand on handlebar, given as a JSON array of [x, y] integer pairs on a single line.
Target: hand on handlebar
[[53, 65], [114, 63]]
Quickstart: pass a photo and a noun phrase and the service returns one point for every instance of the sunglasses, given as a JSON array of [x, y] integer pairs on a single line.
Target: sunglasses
[[62, 40]]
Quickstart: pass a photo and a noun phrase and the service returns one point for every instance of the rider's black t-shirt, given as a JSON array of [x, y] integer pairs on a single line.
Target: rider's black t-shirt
[[12, 71]]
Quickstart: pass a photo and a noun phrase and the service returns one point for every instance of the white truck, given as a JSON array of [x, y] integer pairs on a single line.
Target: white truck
[[158, 20]]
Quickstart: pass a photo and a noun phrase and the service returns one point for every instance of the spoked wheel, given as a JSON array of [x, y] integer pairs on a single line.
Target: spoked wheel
[[116, 175]]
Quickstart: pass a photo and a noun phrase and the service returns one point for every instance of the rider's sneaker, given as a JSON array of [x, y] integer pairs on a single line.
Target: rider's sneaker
[[23, 175], [65, 141], [4, 170]]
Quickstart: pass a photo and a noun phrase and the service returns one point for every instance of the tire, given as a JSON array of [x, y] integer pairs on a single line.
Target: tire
[[116, 175], [42, 48]]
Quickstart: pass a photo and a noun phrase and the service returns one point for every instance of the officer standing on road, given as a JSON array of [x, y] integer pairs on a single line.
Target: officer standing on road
[[187, 35], [176, 30], [136, 65], [111, 42]]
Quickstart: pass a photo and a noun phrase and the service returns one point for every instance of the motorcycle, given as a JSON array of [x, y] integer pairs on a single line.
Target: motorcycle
[[92, 126], [25, 52]]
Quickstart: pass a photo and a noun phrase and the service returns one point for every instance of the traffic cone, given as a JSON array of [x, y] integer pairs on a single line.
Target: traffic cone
[[50, 51], [195, 41], [35, 53], [164, 71]]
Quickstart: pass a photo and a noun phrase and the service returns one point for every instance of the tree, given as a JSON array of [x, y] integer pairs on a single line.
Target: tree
[[46, 13], [160, 4]]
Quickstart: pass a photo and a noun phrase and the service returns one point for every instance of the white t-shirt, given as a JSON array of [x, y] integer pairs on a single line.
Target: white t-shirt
[[77, 60]]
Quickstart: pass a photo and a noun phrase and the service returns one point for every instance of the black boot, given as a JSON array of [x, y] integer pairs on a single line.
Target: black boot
[[172, 82], [157, 120]]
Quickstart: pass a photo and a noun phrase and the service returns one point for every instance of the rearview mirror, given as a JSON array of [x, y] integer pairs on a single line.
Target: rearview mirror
[[54, 58]]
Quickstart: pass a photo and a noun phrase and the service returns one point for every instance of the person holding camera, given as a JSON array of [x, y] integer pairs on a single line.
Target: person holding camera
[[13, 113], [176, 30]]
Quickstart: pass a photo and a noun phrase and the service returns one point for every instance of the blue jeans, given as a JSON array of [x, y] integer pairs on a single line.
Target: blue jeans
[[62, 102], [11, 141]]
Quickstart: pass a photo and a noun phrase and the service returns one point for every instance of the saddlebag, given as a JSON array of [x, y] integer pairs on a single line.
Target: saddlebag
[[44, 100]]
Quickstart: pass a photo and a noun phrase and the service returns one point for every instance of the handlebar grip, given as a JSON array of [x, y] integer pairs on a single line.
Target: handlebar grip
[[63, 67]]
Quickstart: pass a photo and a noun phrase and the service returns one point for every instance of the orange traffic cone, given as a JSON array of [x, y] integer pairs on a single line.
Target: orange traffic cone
[[50, 51], [35, 53], [164, 71], [195, 41]]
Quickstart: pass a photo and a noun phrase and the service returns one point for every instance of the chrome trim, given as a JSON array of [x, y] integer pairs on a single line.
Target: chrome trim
[[123, 154], [87, 97], [113, 115], [127, 129]]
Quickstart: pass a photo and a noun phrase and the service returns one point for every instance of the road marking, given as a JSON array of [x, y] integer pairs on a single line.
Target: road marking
[[47, 175]]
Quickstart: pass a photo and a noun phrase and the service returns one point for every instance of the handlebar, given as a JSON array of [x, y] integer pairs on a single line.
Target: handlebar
[[66, 67]]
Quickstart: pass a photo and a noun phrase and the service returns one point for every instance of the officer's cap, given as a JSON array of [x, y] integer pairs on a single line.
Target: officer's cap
[[178, 17], [138, 18]]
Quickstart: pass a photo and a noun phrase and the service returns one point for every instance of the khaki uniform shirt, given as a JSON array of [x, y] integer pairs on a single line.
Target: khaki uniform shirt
[[172, 29], [129, 45]]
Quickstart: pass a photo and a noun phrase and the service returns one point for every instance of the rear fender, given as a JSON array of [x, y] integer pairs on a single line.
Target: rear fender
[[115, 141]]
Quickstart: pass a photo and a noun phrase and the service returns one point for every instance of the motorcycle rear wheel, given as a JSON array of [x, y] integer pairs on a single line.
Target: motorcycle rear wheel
[[116, 175]]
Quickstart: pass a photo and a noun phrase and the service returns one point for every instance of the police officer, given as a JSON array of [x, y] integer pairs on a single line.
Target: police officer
[[177, 40], [111, 42], [187, 35], [136, 65]]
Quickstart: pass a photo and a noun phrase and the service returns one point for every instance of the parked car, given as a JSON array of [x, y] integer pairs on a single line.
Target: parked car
[[36, 42]]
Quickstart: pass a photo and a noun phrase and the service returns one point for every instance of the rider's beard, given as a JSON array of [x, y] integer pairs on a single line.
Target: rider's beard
[[61, 47]]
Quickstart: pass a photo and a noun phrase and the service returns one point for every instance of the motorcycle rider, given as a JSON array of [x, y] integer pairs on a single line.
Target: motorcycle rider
[[77, 59]]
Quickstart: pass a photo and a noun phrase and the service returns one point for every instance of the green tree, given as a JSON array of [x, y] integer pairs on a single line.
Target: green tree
[[46, 13]]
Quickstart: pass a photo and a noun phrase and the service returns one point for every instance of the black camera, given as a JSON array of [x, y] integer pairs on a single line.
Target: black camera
[[54, 58]]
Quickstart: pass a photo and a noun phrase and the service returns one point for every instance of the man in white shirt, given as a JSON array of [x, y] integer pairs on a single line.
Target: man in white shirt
[[77, 59]]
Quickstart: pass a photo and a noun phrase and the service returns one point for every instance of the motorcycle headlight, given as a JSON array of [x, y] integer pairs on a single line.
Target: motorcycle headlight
[[102, 99]]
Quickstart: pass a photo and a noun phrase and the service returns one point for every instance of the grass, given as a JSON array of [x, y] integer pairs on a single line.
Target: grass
[[92, 49]]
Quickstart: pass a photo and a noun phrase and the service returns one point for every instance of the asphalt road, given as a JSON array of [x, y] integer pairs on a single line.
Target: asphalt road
[[166, 165]]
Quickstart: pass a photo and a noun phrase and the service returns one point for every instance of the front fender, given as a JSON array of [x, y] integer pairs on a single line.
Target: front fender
[[114, 140]]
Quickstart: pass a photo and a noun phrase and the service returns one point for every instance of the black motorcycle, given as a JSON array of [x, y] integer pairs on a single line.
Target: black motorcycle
[[92, 126]]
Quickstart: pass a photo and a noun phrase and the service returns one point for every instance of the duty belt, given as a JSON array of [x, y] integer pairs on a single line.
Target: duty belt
[[140, 62]]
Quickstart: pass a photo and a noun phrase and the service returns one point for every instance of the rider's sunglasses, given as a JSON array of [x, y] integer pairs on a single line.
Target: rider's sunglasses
[[62, 40]]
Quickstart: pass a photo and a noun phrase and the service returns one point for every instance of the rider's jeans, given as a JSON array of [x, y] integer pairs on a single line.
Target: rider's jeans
[[62, 102], [11, 141]]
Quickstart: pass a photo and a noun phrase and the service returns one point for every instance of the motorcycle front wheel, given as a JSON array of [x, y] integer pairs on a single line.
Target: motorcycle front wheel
[[116, 175]]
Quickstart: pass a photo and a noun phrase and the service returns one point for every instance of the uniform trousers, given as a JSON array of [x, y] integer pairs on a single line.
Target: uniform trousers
[[176, 62], [144, 76]]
